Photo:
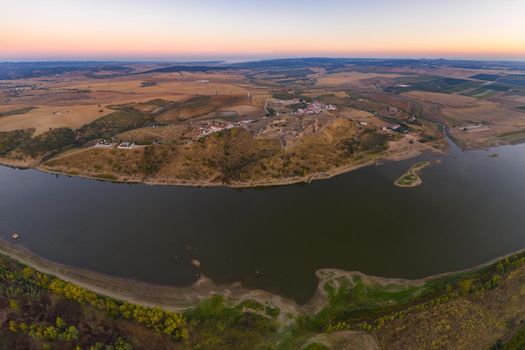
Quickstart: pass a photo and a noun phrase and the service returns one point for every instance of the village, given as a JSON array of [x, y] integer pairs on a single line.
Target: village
[[288, 125], [315, 107]]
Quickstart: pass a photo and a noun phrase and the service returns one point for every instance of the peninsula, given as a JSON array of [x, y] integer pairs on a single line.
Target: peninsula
[[249, 124]]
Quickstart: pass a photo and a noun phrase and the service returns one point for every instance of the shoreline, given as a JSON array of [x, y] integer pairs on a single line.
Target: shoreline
[[325, 175], [170, 298], [414, 173], [180, 298]]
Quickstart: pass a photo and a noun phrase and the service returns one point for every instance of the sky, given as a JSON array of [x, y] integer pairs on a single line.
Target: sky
[[244, 29]]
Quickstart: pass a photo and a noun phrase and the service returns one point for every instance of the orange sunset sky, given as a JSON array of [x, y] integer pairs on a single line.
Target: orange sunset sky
[[162, 29]]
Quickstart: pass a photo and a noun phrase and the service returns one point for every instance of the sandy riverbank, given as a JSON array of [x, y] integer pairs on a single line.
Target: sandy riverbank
[[166, 297], [173, 298]]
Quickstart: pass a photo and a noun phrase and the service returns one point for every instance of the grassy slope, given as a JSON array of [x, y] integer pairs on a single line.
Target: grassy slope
[[234, 156], [110, 125]]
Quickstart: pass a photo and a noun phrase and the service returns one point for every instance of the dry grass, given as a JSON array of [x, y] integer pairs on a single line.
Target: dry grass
[[46, 117], [168, 84], [446, 100], [469, 322], [246, 110], [462, 111], [111, 164], [487, 111], [200, 106], [232, 157], [362, 116], [307, 151], [229, 157], [149, 134]]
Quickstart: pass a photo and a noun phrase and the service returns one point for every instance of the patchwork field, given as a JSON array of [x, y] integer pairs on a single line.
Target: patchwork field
[[350, 78], [472, 121], [252, 123]]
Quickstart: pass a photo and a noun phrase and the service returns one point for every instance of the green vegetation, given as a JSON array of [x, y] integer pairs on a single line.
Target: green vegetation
[[369, 141], [239, 154], [484, 90], [517, 342], [42, 311], [352, 302], [52, 140], [148, 83], [354, 305], [316, 346], [241, 157], [412, 177], [297, 106], [10, 140], [56, 313], [513, 79], [37, 308], [16, 111], [445, 85], [513, 136], [335, 100], [232, 156], [291, 73], [372, 141], [244, 326], [407, 180], [359, 305], [196, 101], [110, 125], [152, 159], [196, 106], [487, 77], [20, 141], [284, 95], [424, 138]]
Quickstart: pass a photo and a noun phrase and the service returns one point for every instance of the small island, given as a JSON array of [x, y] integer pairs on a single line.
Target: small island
[[412, 177]]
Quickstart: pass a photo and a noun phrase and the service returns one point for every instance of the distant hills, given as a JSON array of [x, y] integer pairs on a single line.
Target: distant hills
[[19, 70]]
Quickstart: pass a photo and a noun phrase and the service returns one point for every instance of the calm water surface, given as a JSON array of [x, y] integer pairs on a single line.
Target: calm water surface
[[470, 209]]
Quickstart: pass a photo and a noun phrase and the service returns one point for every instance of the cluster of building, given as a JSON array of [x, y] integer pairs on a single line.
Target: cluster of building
[[219, 125], [109, 144], [401, 128], [126, 145], [15, 90], [104, 144], [315, 107]]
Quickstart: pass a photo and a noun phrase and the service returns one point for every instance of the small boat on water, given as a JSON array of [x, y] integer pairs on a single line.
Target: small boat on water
[[15, 236]]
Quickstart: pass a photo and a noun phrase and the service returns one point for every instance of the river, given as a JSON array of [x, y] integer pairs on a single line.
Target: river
[[469, 209]]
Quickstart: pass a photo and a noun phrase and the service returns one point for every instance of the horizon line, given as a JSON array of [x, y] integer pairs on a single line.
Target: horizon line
[[253, 59]]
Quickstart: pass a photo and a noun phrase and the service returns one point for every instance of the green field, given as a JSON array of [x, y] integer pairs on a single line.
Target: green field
[[513, 137], [513, 79], [487, 77], [17, 111], [440, 84], [110, 125]]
